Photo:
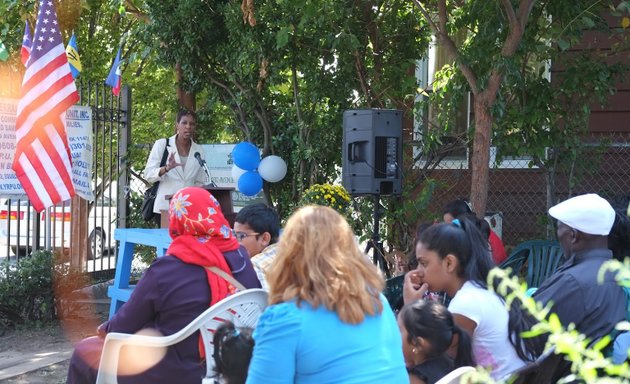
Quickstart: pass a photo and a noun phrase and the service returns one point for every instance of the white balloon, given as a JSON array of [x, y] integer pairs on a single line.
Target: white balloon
[[237, 172], [272, 168]]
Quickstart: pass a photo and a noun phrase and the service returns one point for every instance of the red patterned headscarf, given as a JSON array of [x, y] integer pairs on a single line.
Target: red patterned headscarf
[[200, 235]]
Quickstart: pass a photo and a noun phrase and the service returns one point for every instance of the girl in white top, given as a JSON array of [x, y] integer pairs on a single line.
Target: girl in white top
[[455, 258]]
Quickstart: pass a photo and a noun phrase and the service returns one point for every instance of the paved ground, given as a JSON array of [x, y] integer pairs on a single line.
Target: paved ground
[[45, 366], [41, 355]]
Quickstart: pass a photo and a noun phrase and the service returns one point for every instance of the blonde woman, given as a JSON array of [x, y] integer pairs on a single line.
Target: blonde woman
[[327, 321]]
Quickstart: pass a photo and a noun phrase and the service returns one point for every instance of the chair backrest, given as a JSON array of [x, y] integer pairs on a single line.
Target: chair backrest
[[542, 262], [542, 258], [517, 257], [243, 309], [455, 376]]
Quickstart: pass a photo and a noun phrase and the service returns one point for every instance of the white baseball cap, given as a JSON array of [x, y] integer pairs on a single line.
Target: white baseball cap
[[588, 213]]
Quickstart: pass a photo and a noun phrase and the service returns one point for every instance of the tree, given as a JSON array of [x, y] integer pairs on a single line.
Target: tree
[[484, 83], [509, 44], [287, 78]]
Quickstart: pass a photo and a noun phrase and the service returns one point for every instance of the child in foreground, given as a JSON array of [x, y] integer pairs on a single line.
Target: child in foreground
[[232, 352], [428, 331]]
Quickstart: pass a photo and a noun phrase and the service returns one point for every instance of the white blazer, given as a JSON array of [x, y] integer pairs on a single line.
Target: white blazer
[[177, 178]]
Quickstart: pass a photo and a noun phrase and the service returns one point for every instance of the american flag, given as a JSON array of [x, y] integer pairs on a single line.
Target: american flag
[[42, 158]]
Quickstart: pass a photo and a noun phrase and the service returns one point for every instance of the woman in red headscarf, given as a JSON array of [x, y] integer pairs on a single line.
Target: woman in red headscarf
[[174, 290]]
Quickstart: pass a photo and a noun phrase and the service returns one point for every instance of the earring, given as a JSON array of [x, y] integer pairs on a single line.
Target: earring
[[414, 350]]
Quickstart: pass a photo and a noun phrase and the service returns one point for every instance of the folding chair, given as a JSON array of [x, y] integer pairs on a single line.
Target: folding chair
[[243, 309], [540, 257]]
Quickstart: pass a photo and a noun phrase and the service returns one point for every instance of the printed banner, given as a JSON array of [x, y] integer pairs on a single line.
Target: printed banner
[[80, 136], [79, 127], [9, 184]]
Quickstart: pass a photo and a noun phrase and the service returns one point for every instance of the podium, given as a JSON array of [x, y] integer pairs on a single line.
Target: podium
[[222, 194]]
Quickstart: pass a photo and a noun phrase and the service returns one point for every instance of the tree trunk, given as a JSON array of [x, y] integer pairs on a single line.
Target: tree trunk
[[481, 155], [184, 99]]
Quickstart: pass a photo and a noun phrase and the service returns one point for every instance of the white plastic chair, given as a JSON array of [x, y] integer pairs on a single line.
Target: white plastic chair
[[455, 376], [243, 309]]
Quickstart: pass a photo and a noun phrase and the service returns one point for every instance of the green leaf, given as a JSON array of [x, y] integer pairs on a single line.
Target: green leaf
[[554, 322], [282, 37], [588, 22], [602, 343], [563, 44]]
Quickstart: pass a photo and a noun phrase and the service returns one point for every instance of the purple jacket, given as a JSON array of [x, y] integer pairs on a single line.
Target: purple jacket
[[169, 295]]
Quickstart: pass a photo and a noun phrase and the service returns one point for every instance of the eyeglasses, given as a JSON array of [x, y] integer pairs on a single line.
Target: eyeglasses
[[241, 235]]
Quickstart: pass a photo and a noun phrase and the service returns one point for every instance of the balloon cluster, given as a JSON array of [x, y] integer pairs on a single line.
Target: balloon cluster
[[249, 170]]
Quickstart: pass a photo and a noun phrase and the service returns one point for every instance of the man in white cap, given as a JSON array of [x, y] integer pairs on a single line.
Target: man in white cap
[[577, 296]]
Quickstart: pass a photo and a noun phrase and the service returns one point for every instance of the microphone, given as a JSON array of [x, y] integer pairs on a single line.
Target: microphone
[[201, 161], [203, 165]]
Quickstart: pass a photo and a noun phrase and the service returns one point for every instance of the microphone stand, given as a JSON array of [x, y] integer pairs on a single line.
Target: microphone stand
[[205, 168]]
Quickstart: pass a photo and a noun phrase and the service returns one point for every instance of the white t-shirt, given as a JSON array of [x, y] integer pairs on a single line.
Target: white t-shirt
[[490, 341]]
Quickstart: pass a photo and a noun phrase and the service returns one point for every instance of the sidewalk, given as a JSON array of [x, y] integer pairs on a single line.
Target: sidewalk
[[14, 364], [30, 352]]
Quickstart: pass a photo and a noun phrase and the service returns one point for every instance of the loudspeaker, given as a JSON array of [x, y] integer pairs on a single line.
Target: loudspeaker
[[372, 151]]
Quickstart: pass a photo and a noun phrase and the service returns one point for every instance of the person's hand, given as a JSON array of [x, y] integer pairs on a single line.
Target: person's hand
[[101, 330], [414, 288], [171, 163]]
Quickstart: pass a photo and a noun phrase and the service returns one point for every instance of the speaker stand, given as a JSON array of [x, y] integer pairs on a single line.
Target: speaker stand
[[375, 244]]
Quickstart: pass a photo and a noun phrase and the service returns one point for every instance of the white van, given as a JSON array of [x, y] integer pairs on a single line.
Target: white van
[[18, 219]]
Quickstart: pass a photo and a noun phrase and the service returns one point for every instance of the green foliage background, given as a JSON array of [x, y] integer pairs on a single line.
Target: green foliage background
[[284, 82], [32, 290]]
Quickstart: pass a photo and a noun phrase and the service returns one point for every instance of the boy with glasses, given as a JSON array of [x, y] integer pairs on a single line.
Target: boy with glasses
[[257, 227]]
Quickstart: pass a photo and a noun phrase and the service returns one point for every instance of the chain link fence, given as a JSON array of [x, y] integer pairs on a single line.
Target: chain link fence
[[519, 195]]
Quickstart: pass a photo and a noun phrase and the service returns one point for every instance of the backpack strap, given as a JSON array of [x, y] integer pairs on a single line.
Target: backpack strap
[[165, 154], [221, 273]]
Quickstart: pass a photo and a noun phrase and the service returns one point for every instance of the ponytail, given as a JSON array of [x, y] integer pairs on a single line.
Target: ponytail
[[519, 321], [464, 348], [480, 262], [233, 348], [433, 322]]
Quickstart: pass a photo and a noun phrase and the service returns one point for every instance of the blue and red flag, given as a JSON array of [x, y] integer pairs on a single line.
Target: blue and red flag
[[114, 77]]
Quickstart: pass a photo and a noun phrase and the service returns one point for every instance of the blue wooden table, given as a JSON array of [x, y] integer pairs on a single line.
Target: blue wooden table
[[120, 291]]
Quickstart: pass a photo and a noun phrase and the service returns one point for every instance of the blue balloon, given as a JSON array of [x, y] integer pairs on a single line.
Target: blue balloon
[[250, 183], [246, 156]]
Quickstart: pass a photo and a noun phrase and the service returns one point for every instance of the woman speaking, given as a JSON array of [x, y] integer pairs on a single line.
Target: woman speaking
[[181, 168]]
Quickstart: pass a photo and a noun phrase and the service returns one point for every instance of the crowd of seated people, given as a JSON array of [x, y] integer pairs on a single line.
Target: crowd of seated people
[[327, 320]]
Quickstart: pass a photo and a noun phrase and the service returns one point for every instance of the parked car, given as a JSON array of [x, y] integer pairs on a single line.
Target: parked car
[[18, 220]]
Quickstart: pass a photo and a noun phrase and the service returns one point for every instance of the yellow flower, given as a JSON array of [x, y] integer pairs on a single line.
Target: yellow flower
[[334, 196]]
